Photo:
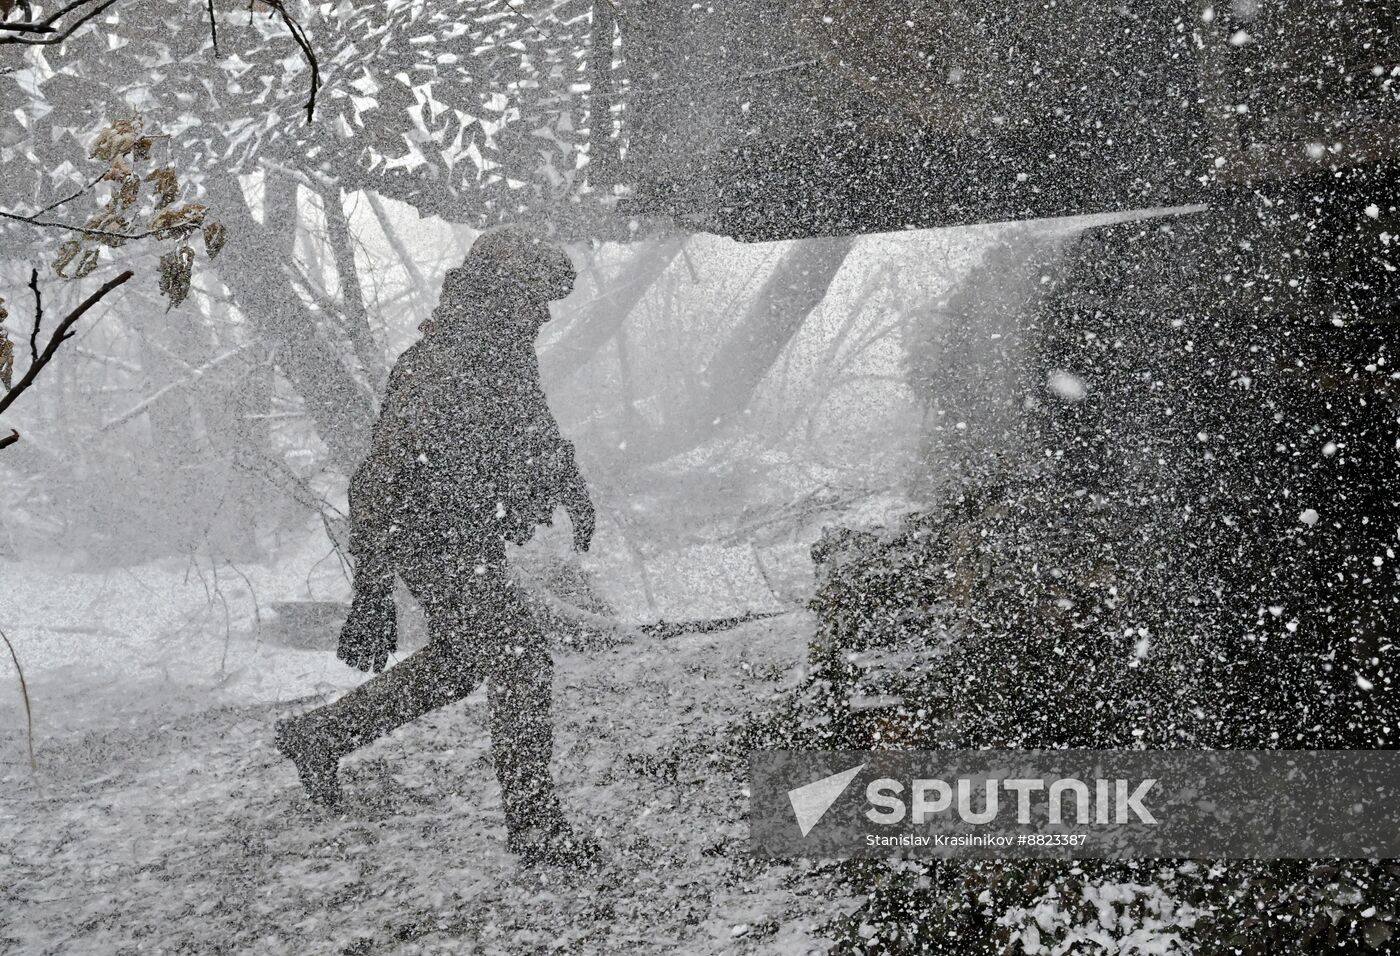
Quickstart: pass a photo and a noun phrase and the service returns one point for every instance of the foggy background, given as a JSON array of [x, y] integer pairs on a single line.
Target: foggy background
[[172, 488]]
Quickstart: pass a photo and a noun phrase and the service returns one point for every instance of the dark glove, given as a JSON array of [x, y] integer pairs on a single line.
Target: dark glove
[[581, 515], [371, 630]]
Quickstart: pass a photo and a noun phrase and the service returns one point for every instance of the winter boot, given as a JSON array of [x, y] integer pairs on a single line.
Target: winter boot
[[316, 760], [430, 678]]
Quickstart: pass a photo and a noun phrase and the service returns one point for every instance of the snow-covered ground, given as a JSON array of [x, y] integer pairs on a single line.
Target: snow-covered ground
[[188, 833], [161, 819]]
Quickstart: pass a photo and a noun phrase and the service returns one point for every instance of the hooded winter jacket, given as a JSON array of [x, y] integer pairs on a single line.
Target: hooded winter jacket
[[466, 453]]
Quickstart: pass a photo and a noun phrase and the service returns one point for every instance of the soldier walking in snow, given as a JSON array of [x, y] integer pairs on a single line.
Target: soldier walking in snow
[[465, 457]]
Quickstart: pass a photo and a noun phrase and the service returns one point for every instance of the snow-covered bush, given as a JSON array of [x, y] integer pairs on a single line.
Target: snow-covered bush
[[993, 622], [1011, 618], [1148, 907]]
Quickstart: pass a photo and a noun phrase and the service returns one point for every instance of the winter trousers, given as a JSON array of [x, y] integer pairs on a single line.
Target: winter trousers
[[478, 630]]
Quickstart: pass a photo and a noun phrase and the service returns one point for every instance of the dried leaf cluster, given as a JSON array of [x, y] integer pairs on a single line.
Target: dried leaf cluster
[[126, 147]]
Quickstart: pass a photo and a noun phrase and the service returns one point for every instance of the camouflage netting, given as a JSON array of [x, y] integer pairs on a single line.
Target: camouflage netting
[[476, 112]]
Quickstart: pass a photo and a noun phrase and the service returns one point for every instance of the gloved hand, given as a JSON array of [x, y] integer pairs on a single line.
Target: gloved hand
[[581, 514], [371, 630]]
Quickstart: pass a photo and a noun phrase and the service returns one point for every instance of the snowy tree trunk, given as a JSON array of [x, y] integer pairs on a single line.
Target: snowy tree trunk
[[732, 376], [339, 406], [350, 292]]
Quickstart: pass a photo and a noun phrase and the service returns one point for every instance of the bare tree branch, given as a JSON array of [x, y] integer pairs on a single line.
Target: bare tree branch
[[213, 27], [61, 333], [410, 266], [351, 292], [51, 35], [46, 25]]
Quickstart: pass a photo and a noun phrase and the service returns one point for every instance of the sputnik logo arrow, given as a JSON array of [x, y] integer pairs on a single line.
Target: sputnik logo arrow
[[811, 801]]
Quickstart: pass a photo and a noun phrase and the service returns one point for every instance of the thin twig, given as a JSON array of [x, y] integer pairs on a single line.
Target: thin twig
[[410, 266], [34, 220], [189, 379], [9, 439], [213, 27], [299, 36], [38, 316], [24, 692], [108, 360], [257, 612], [54, 205], [523, 16], [228, 619]]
